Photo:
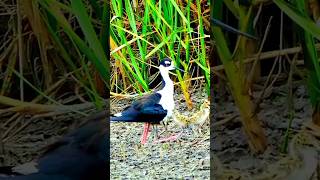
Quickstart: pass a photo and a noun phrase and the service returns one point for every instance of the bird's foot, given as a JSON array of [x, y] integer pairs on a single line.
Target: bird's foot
[[170, 138]]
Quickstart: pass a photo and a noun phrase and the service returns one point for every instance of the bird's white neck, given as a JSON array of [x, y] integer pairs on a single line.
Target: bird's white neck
[[168, 86], [166, 92]]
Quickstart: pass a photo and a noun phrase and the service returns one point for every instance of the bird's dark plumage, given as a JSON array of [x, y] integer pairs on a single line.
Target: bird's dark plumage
[[80, 155], [145, 109]]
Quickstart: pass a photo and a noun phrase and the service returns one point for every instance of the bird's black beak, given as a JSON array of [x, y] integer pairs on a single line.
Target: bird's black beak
[[231, 29], [176, 68]]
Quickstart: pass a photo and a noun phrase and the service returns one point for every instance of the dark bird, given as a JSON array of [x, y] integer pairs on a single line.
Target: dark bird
[[152, 108], [80, 155]]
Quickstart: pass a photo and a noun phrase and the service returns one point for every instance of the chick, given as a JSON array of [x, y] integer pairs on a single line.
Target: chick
[[198, 117], [202, 115]]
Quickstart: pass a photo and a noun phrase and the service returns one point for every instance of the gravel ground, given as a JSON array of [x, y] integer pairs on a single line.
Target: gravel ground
[[186, 158]]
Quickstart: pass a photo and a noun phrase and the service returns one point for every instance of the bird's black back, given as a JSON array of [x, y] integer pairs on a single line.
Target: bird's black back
[[145, 109]]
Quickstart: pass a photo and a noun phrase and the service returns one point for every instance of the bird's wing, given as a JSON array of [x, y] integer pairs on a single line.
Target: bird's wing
[[148, 100], [156, 109], [81, 151], [148, 105], [145, 109], [81, 154]]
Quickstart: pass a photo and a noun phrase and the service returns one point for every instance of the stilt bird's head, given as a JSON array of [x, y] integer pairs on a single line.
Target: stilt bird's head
[[167, 64]]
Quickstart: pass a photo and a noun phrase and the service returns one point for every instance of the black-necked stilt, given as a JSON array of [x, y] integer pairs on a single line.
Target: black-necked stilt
[[152, 108], [82, 154]]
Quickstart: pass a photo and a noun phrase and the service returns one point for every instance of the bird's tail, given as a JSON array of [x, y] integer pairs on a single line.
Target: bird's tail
[[115, 118]]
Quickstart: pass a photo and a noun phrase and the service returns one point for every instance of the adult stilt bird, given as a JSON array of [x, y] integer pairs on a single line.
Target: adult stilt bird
[[80, 155], [152, 108]]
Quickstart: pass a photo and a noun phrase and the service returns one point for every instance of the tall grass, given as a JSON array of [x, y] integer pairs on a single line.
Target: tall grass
[[89, 46], [58, 40], [141, 31]]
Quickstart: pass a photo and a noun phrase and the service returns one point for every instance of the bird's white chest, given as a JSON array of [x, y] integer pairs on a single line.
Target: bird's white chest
[[167, 103], [166, 100]]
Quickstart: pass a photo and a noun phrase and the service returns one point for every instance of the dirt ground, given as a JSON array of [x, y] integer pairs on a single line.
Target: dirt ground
[[230, 145], [187, 158]]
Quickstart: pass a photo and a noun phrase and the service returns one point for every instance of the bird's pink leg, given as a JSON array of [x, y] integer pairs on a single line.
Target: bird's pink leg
[[145, 133]]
